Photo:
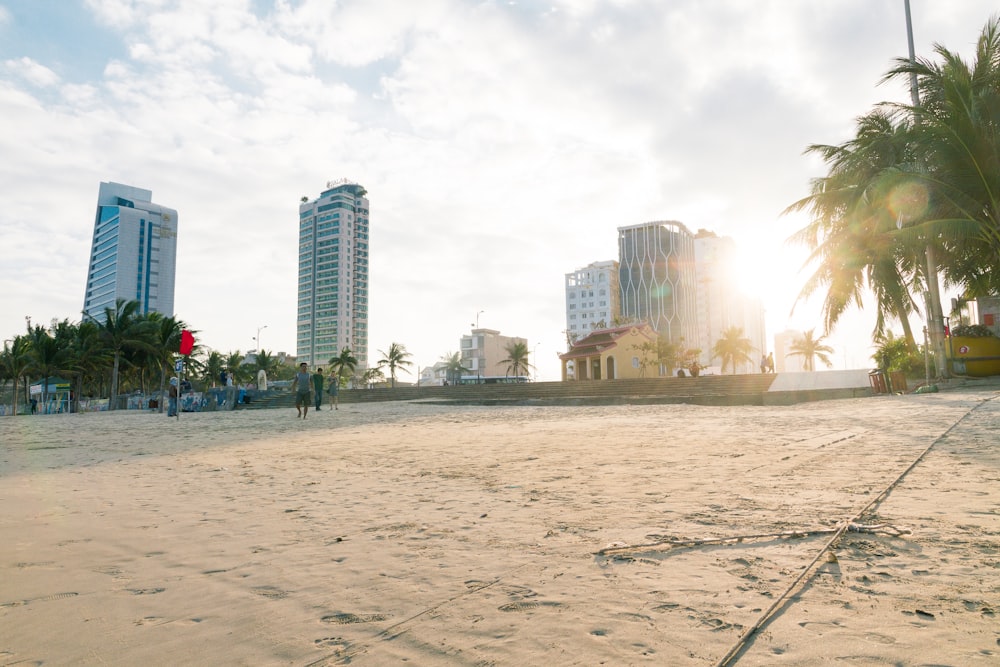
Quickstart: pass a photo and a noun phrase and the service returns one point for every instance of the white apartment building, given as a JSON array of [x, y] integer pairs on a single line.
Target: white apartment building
[[592, 299], [133, 254], [333, 275]]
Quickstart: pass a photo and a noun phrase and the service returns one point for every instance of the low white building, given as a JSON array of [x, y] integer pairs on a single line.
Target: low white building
[[592, 299]]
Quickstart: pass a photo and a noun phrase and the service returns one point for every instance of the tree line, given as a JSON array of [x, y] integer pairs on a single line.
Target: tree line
[[125, 352]]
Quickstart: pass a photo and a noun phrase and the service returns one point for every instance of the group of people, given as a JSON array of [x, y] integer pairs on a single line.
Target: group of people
[[767, 363], [308, 388]]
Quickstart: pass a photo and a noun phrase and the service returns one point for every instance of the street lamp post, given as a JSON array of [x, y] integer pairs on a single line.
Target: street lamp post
[[257, 337]]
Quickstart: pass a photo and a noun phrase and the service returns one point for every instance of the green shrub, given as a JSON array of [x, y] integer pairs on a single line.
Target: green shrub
[[973, 331], [893, 354]]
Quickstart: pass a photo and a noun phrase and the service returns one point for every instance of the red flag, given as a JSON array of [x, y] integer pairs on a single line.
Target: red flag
[[187, 342]]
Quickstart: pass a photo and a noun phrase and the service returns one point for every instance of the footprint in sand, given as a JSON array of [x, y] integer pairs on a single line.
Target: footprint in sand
[[270, 592], [335, 643], [145, 591]]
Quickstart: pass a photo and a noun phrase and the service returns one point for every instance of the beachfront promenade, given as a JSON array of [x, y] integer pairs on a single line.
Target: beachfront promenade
[[507, 535]]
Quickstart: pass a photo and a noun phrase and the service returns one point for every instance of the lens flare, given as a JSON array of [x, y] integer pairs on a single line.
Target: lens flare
[[908, 202]]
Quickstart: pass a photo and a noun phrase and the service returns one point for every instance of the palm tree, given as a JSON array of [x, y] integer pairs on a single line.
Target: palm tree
[[517, 358], [811, 348], [211, 367], [372, 376], [957, 140], [344, 364], [853, 235], [16, 360], [234, 362], [733, 348], [453, 368], [166, 338], [87, 357], [396, 358], [263, 361], [123, 329], [48, 357], [917, 190]]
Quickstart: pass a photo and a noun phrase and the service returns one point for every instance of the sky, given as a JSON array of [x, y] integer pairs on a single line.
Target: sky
[[502, 144]]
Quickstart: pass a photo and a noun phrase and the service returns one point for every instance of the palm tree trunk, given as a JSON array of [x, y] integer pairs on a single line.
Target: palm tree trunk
[[114, 381], [907, 331]]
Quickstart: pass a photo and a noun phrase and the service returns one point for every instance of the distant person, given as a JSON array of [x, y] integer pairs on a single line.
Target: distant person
[[34, 405], [222, 377], [300, 385], [317, 380], [334, 391], [770, 362], [763, 364], [172, 398]]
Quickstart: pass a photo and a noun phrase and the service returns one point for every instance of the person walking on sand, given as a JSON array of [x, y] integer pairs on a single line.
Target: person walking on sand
[[334, 391], [172, 398], [300, 385], [317, 380]]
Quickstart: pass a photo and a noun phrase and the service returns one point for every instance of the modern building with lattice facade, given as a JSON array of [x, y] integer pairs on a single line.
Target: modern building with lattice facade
[[657, 279], [333, 275]]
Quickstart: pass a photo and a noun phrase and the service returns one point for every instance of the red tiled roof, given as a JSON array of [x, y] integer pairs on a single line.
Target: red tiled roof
[[599, 341]]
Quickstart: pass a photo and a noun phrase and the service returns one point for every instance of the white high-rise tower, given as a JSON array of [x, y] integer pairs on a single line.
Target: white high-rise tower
[[333, 275]]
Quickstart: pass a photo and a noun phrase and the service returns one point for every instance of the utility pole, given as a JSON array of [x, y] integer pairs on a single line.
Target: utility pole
[[935, 318]]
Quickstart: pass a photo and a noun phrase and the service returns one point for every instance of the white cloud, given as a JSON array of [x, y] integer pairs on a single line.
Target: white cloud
[[34, 73]]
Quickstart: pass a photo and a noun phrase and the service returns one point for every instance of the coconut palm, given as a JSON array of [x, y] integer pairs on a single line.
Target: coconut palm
[[853, 234], [166, 339], [957, 141], [917, 190], [453, 368], [88, 356], [517, 358], [15, 361], [733, 348], [48, 358], [396, 358], [234, 363], [211, 367], [344, 364], [811, 348], [123, 330]]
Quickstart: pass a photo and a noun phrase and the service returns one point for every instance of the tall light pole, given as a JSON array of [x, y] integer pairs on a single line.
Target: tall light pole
[[532, 362], [257, 337], [477, 317], [934, 315]]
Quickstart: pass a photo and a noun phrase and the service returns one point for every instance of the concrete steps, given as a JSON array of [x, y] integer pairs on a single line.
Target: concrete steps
[[709, 390]]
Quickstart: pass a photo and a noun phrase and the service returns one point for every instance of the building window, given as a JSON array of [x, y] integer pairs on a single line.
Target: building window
[[635, 362]]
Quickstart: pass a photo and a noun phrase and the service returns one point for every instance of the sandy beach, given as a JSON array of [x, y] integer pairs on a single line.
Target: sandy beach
[[408, 533]]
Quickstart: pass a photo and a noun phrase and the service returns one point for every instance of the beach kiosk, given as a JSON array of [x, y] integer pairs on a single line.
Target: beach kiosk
[[52, 395]]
